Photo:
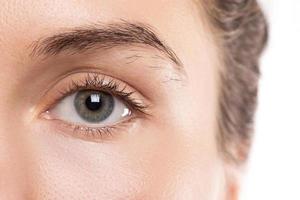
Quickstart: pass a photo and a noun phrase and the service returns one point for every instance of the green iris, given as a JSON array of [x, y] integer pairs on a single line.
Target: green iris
[[94, 106]]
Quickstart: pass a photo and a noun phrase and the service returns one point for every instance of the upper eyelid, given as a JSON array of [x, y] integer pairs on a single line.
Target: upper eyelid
[[90, 70], [112, 62]]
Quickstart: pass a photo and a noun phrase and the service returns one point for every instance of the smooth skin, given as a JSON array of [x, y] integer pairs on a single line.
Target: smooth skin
[[171, 155]]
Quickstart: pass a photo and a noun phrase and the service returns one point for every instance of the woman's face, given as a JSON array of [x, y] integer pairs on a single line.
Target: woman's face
[[94, 106]]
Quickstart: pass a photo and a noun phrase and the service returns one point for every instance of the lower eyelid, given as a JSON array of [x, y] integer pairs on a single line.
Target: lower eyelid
[[105, 134]]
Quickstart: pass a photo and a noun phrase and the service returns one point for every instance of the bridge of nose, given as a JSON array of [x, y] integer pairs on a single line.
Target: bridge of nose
[[14, 155]]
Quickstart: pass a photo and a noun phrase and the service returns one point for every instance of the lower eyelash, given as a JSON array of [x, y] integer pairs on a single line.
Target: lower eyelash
[[94, 132]]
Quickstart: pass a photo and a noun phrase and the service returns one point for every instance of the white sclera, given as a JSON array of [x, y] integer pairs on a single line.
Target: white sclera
[[66, 111]]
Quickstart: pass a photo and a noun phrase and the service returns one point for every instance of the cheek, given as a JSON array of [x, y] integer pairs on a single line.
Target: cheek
[[158, 163], [66, 168]]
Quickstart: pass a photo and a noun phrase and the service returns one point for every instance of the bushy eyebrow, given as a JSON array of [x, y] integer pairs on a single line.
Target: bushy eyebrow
[[103, 36]]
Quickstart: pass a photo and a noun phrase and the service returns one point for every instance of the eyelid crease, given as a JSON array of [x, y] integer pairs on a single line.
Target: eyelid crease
[[88, 70]]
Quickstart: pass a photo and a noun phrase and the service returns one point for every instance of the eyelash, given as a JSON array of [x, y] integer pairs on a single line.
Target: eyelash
[[95, 82], [105, 84]]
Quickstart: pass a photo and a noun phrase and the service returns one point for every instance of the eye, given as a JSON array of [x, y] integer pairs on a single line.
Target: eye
[[91, 108]]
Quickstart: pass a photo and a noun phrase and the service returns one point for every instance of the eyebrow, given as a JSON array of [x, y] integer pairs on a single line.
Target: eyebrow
[[103, 36]]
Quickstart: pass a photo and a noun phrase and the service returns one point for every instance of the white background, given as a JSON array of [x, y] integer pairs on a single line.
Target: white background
[[274, 170]]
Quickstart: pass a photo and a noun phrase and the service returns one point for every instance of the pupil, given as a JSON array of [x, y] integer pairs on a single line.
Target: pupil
[[93, 102]]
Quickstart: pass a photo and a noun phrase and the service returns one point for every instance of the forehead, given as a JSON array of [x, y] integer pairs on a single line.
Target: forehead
[[22, 22], [30, 17]]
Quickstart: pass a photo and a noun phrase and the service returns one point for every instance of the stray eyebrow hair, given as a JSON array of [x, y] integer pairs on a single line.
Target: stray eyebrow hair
[[103, 36]]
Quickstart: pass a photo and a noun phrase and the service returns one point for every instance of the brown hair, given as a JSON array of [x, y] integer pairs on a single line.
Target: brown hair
[[243, 36]]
